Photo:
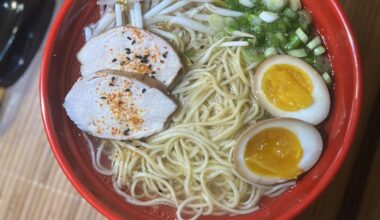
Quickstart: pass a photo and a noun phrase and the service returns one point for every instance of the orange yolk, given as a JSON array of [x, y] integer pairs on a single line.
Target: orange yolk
[[287, 87], [274, 152]]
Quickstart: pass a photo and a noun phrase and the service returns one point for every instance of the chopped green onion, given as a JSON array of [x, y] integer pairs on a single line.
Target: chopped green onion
[[254, 19], [247, 3], [280, 36], [275, 5], [319, 51], [268, 16], [302, 36], [251, 55], [216, 22], [295, 5], [290, 13], [298, 53], [314, 43], [272, 40], [280, 25], [326, 77], [294, 42], [271, 51], [257, 29]]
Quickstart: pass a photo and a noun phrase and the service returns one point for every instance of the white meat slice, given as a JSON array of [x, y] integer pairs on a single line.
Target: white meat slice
[[130, 49], [114, 106]]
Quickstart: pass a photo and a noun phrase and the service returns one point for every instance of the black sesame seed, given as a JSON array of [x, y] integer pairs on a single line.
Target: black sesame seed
[[139, 57], [133, 42], [103, 97], [129, 38], [153, 77], [126, 132], [128, 58], [144, 60], [113, 78], [202, 47], [114, 60], [127, 90], [150, 66], [127, 50], [165, 54], [153, 72], [161, 61], [143, 90], [111, 84]]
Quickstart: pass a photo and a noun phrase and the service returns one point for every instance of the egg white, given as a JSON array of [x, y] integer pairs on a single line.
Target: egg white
[[309, 137], [316, 112]]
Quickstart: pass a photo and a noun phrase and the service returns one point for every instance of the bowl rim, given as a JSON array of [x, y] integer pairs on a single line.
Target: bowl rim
[[291, 213]]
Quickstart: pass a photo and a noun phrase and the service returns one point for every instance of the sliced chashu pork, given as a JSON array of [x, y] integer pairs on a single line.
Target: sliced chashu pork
[[130, 49], [111, 105]]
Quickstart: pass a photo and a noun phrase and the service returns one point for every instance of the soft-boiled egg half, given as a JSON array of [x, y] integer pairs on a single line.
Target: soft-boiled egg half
[[277, 150], [289, 87]]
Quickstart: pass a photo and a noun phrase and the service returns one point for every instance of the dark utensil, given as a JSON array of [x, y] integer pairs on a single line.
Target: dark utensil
[[23, 24]]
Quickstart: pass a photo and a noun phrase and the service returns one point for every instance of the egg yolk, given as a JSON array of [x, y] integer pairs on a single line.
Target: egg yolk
[[274, 152], [287, 87]]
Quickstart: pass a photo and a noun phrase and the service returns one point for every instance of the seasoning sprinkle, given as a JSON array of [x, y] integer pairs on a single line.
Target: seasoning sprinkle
[[165, 54], [144, 60], [128, 58], [103, 97], [114, 60], [150, 66], [153, 72], [143, 90], [129, 38], [133, 42], [113, 78], [153, 77], [111, 84], [161, 61], [126, 132], [202, 47], [127, 90], [127, 50]]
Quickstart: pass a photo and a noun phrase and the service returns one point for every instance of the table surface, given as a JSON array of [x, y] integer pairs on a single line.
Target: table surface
[[32, 186]]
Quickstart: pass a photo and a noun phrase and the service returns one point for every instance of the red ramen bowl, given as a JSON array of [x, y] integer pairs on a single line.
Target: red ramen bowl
[[60, 70]]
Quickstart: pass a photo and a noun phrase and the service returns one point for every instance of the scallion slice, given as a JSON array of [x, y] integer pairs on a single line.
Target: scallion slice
[[314, 43], [327, 78], [319, 51], [271, 51], [298, 53], [302, 35], [268, 16]]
